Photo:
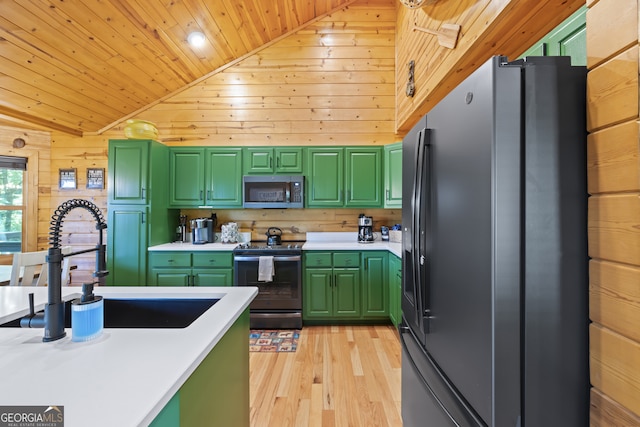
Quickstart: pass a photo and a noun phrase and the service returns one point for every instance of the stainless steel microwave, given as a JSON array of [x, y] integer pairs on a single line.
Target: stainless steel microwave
[[273, 191]]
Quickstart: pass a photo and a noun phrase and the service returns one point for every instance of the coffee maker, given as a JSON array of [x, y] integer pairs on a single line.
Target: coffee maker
[[365, 229], [203, 230], [181, 231]]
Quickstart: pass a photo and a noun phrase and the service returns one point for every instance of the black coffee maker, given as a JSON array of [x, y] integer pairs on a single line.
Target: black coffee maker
[[365, 229]]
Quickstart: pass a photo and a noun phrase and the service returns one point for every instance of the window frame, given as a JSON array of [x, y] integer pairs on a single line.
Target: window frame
[[30, 214]]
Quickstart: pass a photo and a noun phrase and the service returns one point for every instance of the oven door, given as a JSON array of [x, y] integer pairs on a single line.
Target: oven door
[[283, 293]]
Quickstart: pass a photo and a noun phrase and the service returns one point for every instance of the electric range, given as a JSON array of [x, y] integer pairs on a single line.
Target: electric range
[[276, 270]]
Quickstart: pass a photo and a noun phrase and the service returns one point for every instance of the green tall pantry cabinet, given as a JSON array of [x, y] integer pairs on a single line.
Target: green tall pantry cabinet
[[137, 214]]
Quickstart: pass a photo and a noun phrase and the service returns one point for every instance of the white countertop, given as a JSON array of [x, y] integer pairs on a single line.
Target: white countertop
[[179, 246], [348, 241], [124, 377], [316, 241]]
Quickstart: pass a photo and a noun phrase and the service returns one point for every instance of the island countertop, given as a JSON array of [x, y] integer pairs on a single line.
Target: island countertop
[[125, 376]]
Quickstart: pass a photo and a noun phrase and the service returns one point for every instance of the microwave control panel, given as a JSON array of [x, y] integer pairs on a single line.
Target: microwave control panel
[[296, 192]]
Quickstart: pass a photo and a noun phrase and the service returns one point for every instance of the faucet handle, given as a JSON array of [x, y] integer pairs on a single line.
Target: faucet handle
[[32, 310]]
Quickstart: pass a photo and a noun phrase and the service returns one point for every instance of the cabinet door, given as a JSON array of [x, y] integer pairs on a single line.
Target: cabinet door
[[317, 293], [170, 276], [212, 276], [393, 175], [223, 177], [567, 39], [186, 172], [288, 160], [326, 179], [258, 160], [128, 171], [346, 292], [127, 246], [363, 177], [395, 284], [374, 284]]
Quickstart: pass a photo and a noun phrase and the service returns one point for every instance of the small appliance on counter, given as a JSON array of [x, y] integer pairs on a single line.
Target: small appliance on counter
[[181, 231], [202, 231], [384, 233], [365, 229], [274, 236]]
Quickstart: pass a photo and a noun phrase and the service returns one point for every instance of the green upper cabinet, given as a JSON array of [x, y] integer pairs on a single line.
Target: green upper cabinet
[[393, 175], [567, 39], [325, 170], [363, 177], [344, 177], [223, 184], [205, 177], [186, 168], [128, 180], [278, 160]]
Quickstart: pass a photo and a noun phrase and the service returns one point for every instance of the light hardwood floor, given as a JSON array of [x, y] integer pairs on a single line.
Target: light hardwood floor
[[339, 376]]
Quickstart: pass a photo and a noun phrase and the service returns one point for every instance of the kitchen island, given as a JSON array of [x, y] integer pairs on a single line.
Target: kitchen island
[[197, 375]]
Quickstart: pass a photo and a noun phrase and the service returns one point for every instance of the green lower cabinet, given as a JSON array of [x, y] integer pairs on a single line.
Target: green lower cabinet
[[331, 293], [375, 302], [170, 277], [127, 245], [346, 292], [191, 268], [346, 285], [318, 293], [395, 289], [217, 392], [212, 276]]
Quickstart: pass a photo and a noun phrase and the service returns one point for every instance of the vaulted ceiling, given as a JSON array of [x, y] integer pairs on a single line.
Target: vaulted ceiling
[[80, 66]]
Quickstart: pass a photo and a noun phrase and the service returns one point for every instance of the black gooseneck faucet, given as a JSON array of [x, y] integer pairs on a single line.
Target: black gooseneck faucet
[[53, 318]]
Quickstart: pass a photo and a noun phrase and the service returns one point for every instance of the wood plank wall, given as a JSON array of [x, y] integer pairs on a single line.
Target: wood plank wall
[[488, 27], [326, 117], [614, 211], [36, 151], [331, 83]]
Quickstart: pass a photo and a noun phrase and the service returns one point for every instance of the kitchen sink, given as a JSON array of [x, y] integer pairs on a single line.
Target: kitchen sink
[[145, 313]]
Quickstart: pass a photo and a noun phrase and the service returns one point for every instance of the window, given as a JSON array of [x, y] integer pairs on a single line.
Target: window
[[12, 203]]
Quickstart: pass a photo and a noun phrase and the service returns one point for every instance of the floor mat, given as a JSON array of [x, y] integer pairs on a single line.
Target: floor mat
[[274, 340]]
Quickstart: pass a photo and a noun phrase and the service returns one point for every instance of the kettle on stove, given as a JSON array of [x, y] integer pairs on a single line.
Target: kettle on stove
[[274, 236]]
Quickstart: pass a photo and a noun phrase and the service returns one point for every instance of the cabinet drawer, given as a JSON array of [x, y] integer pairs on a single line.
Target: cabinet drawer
[[170, 259], [318, 259], [346, 259], [212, 259]]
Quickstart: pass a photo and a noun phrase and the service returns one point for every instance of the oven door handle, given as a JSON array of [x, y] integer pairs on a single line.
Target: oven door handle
[[275, 258]]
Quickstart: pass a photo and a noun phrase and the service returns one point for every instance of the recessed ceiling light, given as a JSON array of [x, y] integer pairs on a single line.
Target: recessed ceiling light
[[196, 39]]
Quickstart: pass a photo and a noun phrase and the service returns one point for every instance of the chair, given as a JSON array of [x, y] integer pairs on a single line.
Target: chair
[[32, 269]]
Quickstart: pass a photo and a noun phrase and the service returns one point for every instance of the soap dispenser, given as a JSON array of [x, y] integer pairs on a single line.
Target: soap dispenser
[[87, 315]]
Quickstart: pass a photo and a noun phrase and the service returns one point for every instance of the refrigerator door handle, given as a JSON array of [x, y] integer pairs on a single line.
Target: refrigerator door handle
[[421, 226]]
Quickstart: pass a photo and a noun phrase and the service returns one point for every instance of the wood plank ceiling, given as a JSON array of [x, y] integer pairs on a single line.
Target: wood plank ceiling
[[80, 66]]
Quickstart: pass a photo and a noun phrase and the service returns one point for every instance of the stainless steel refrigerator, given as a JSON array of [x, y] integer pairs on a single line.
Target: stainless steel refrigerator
[[495, 280]]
